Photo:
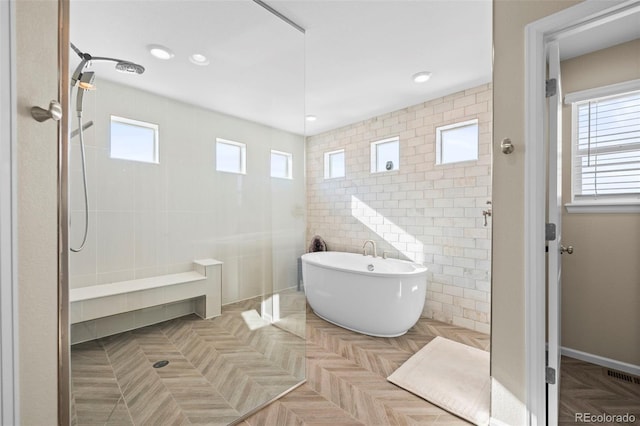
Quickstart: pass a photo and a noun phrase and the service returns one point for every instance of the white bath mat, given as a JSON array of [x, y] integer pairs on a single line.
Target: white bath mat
[[450, 375]]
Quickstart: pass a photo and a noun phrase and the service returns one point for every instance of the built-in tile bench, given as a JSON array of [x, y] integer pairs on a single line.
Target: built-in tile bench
[[98, 301]]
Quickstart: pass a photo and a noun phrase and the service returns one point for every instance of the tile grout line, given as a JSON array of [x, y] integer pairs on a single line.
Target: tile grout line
[[191, 331], [142, 352], [119, 388]]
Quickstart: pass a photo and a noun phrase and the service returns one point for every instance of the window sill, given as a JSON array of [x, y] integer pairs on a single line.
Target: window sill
[[379, 172], [603, 207], [458, 163], [232, 172]]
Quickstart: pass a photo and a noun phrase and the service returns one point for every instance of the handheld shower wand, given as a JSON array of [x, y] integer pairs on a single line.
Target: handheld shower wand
[[84, 82]]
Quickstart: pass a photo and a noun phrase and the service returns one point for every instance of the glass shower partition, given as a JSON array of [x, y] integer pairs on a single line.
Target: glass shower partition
[[186, 301]]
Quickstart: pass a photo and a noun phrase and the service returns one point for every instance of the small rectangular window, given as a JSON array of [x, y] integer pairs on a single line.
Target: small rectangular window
[[231, 156], [133, 140], [606, 148], [385, 155], [457, 142], [281, 164], [334, 164]]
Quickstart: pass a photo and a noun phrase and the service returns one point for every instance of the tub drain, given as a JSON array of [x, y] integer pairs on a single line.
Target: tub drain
[[161, 364]]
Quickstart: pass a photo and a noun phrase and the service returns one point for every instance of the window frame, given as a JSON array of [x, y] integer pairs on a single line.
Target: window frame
[[289, 157], [327, 163], [137, 123], [374, 154], [608, 203], [243, 156], [459, 124]]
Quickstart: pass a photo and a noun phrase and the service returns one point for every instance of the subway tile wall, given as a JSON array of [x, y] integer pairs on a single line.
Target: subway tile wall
[[424, 212]]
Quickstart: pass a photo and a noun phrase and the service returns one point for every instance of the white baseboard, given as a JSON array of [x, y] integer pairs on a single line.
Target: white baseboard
[[602, 361]]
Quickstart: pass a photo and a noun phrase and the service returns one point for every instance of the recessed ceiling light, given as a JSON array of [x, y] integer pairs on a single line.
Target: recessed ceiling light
[[160, 52], [421, 77], [311, 118], [199, 59]]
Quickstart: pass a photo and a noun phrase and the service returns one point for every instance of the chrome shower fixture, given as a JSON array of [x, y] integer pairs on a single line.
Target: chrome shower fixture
[[121, 65], [85, 83], [86, 80], [129, 67]]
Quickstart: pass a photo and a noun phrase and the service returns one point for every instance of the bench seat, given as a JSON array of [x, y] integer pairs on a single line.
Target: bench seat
[[204, 282]]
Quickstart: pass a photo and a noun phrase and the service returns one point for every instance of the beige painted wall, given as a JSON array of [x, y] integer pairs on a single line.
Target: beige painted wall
[[508, 304], [36, 29], [601, 280]]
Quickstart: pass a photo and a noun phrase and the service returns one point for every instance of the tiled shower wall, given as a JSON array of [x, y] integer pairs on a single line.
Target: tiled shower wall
[[154, 219], [425, 212]]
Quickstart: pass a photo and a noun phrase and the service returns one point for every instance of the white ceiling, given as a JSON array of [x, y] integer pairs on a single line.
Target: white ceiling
[[360, 55], [354, 62]]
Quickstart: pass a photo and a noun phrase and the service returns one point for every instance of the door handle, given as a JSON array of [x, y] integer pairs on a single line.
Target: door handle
[[54, 112], [568, 250]]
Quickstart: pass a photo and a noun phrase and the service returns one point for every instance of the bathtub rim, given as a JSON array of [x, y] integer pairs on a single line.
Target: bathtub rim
[[419, 270]]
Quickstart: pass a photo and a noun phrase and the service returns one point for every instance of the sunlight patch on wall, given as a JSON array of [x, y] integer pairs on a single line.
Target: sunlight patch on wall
[[269, 313], [402, 241]]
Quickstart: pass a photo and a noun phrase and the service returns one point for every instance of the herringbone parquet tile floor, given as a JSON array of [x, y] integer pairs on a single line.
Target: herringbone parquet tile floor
[[587, 389], [346, 379], [219, 368]]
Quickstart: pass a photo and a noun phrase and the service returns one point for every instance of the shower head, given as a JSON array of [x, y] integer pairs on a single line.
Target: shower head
[[121, 65], [129, 67]]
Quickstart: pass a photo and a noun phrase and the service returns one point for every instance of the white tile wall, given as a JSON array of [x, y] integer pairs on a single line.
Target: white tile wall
[[424, 212], [154, 219], [101, 327]]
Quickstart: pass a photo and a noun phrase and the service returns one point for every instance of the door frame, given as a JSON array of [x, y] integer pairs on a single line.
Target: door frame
[[64, 332], [9, 390], [537, 34]]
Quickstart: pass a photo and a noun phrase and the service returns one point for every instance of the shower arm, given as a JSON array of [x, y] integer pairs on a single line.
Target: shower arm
[[75, 49], [104, 58], [86, 58]]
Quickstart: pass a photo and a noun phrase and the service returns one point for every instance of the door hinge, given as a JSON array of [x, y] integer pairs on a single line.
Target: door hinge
[[551, 375], [551, 87], [550, 231]]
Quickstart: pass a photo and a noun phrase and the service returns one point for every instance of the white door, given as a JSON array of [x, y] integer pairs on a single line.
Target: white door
[[554, 212]]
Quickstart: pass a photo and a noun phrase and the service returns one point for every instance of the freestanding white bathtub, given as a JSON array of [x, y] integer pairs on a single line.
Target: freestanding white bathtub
[[374, 296]]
